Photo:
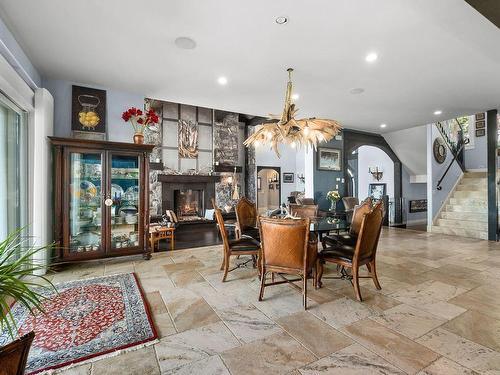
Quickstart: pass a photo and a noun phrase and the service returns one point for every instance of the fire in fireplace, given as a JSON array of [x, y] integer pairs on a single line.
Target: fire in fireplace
[[188, 204]]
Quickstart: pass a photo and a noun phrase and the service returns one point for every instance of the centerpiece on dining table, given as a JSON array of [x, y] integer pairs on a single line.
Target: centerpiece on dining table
[[140, 120], [333, 196]]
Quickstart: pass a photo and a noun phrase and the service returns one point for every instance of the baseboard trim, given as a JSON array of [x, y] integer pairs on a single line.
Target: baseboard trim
[[477, 170]]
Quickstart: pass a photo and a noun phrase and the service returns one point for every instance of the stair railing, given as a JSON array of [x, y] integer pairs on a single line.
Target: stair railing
[[456, 142]]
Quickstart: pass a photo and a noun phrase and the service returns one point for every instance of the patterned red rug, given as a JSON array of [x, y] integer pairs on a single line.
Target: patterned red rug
[[86, 319]]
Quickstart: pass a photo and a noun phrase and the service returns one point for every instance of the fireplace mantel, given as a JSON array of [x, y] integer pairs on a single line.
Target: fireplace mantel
[[184, 178]]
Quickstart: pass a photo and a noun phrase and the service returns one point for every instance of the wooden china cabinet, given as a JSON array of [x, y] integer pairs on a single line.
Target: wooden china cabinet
[[101, 194]]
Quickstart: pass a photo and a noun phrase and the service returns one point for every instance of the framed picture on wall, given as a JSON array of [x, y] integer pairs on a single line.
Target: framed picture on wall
[[377, 191], [480, 116], [329, 159], [88, 111], [480, 132], [480, 124], [288, 178], [259, 184]]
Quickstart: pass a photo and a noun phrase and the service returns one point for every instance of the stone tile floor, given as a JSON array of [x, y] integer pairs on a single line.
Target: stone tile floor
[[438, 313]]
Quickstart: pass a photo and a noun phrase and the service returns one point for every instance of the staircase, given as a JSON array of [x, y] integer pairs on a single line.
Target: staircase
[[466, 211]]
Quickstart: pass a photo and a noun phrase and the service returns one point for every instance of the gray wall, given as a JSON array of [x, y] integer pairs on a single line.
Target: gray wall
[[437, 170], [14, 51], [412, 191], [475, 158], [117, 103]]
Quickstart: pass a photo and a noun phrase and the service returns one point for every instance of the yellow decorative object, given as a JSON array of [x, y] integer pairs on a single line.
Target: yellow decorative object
[[286, 129], [88, 116]]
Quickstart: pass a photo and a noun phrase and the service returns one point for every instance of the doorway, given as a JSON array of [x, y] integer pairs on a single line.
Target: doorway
[[268, 189]]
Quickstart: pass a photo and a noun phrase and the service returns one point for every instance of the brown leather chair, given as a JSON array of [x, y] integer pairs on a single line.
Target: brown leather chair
[[287, 248], [351, 237], [305, 201], [363, 253], [304, 211], [240, 246], [14, 355], [349, 204], [246, 216]]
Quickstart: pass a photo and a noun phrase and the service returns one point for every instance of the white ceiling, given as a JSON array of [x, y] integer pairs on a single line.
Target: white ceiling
[[432, 54]]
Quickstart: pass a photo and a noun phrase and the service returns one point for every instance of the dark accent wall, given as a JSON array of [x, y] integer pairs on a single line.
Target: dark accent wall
[[491, 129], [325, 181]]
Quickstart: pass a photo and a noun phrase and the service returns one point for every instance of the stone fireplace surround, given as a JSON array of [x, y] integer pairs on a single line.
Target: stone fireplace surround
[[171, 183]]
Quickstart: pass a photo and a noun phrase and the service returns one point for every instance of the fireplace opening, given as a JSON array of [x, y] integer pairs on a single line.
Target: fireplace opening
[[188, 204]]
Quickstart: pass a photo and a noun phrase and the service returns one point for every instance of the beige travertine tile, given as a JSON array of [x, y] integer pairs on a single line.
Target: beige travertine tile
[[136, 362], [276, 354], [248, 323], [210, 366], [341, 312], [184, 348], [409, 321], [485, 298], [77, 370], [314, 334], [164, 325], [188, 313], [462, 351], [352, 360], [393, 347], [371, 297], [477, 327], [445, 366], [156, 304]]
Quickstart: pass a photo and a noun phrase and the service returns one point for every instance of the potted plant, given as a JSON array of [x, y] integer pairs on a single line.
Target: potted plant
[[17, 280], [333, 196], [140, 120]]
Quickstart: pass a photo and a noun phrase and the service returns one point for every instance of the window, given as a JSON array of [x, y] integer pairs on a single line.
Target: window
[[468, 129], [13, 168]]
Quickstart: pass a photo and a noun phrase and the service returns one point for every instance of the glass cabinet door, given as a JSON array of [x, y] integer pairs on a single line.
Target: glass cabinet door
[[85, 203], [125, 194]]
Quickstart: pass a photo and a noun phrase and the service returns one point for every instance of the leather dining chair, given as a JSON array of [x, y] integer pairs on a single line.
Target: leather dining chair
[[304, 211], [240, 246], [287, 248], [362, 253], [246, 217], [351, 237]]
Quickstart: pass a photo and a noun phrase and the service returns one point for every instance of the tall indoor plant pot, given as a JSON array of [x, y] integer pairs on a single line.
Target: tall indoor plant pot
[[17, 280]]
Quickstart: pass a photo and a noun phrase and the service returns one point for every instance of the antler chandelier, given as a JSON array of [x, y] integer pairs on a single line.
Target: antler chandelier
[[286, 129]]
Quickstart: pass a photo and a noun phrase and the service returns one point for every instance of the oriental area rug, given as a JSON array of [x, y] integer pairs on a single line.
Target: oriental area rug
[[85, 319]]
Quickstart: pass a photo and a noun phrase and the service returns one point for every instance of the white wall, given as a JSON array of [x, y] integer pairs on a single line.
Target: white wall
[[264, 156], [410, 146], [369, 156]]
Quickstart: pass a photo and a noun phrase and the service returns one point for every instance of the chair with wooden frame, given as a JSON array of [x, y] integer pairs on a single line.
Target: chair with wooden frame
[[240, 246], [246, 217], [309, 211], [353, 257], [351, 237], [14, 355], [287, 249]]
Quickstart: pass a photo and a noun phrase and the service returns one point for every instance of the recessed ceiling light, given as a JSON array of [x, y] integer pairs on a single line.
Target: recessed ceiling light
[[371, 57], [184, 42], [383, 125], [295, 96], [281, 20], [438, 112], [222, 81], [357, 90]]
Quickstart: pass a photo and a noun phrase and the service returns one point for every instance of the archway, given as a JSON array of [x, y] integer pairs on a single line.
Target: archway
[[268, 188]]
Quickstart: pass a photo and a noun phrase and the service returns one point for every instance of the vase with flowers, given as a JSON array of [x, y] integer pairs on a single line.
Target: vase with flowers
[[333, 196], [140, 120]]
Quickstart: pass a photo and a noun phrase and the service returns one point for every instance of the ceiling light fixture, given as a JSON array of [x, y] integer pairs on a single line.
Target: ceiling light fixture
[[371, 57], [286, 129], [438, 112], [281, 20], [357, 90], [295, 96], [383, 125], [222, 81], [184, 42]]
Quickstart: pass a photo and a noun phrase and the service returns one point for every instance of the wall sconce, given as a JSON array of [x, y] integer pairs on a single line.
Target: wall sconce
[[301, 178], [377, 175]]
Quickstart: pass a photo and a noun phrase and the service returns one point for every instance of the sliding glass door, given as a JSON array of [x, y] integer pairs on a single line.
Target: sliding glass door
[[13, 168]]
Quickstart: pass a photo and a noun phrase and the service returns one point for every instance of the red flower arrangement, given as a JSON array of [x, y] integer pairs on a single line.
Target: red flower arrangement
[[139, 119]]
